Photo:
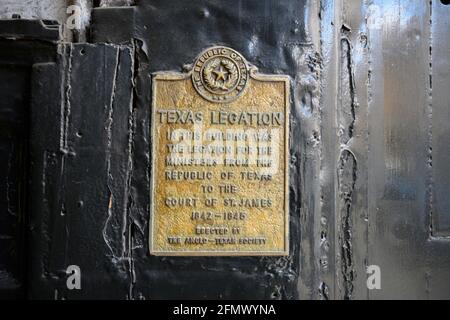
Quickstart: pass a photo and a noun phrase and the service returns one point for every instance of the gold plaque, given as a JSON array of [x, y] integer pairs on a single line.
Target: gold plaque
[[219, 159]]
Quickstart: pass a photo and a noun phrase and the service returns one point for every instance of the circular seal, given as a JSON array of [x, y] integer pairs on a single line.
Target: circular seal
[[220, 74]]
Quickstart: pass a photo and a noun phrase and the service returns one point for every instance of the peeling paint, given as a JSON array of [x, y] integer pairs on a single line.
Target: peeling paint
[[347, 174]]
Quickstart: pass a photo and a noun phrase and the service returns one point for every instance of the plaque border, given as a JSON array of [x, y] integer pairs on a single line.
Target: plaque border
[[175, 76]]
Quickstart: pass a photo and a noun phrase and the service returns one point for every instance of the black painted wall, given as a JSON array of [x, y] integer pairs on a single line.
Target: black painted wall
[[367, 170], [17, 58], [91, 144]]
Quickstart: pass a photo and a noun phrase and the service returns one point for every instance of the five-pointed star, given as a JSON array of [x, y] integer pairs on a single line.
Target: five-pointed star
[[220, 74]]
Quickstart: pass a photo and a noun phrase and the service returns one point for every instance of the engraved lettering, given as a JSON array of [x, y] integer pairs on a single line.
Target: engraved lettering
[[219, 159]]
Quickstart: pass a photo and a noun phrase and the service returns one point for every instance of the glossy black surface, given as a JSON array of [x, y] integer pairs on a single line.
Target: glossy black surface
[[368, 157]]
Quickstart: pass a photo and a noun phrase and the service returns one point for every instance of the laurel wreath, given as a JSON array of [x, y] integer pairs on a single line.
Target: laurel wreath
[[214, 84]]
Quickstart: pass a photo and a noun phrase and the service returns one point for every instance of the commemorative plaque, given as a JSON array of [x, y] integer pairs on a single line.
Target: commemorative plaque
[[219, 159]]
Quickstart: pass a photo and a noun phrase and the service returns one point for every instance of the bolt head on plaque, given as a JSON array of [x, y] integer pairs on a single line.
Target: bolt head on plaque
[[220, 74]]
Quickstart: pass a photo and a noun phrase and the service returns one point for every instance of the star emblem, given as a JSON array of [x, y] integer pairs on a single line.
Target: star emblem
[[220, 73]]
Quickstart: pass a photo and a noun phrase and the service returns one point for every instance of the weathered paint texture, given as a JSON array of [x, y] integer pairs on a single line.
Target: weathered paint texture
[[368, 156], [34, 9]]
